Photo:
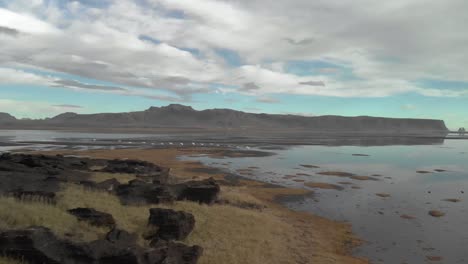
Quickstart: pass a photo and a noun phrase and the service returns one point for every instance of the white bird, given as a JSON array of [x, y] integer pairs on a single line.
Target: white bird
[[170, 143], [181, 143], [193, 143]]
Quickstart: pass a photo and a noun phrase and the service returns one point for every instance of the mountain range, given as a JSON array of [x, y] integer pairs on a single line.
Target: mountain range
[[185, 117]]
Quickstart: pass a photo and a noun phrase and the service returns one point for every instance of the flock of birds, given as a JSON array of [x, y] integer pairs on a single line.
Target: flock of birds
[[181, 144]]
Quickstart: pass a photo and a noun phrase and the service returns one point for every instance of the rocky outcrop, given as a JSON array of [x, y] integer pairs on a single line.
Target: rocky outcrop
[[174, 252], [40, 177], [93, 217], [141, 192], [205, 191], [168, 224], [38, 245]]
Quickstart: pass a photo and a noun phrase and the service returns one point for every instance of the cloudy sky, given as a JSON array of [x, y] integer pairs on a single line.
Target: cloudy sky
[[401, 58]]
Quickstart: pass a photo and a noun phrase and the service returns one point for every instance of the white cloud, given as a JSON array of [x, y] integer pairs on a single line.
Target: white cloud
[[385, 46], [25, 23], [24, 109]]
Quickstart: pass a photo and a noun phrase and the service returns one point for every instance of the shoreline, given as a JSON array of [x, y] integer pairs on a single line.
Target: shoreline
[[316, 239]]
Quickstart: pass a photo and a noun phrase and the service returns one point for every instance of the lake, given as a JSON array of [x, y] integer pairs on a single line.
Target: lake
[[412, 177]]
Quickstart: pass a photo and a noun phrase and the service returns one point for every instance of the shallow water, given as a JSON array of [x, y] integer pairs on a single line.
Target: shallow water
[[391, 238]]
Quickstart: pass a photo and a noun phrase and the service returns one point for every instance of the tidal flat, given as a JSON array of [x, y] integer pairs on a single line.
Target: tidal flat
[[379, 196]]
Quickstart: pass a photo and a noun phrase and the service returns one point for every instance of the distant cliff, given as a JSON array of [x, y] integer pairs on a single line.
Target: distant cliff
[[180, 116]]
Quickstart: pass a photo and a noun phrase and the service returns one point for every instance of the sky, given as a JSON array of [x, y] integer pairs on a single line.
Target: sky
[[401, 58]]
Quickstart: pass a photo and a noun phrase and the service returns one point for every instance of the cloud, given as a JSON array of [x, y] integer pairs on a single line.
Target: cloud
[[305, 41], [267, 100], [24, 23], [313, 83], [8, 31], [79, 85], [68, 106], [249, 87], [31, 109], [384, 47], [408, 107]]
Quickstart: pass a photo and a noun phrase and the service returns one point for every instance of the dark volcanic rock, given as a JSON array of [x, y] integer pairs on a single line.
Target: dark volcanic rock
[[108, 185], [138, 192], [205, 191], [170, 224], [38, 245], [142, 169], [174, 253], [121, 237], [93, 217]]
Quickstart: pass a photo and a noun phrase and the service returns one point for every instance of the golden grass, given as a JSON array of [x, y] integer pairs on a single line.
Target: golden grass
[[131, 218], [240, 196], [231, 234], [120, 177], [8, 260], [17, 214], [228, 234]]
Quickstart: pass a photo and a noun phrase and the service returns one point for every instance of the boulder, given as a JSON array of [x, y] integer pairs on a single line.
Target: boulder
[[205, 191], [38, 245], [142, 169], [108, 185], [168, 224], [121, 237], [93, 217], [140, 192], [173, 253]]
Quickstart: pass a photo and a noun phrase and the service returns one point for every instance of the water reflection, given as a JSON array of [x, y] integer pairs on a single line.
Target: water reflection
[[418, 178]]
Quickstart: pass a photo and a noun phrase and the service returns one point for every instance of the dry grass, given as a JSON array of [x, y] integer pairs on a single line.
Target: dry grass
[[131, 218], [17, 214], [8, 260], [240, 197], [231, 234], [228, 234], [120, 177]]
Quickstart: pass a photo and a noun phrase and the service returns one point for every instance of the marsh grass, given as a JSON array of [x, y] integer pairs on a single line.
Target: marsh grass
[[16, 214], [8, 260], [228, 234]]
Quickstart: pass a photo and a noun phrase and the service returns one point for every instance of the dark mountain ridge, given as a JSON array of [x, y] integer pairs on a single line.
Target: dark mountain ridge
[[180, 116]]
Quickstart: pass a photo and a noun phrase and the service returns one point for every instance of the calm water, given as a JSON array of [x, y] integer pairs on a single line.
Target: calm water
[[391, 238]]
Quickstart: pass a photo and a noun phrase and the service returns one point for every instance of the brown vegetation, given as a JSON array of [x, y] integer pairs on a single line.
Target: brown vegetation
[[235, 231]]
